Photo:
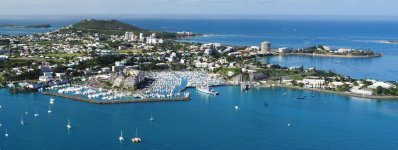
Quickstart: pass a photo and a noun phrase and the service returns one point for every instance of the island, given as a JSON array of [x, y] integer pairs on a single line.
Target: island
[[388, 42], [109, 61], [27, 26]]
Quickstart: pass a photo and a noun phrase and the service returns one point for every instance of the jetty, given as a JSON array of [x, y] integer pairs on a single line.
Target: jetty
[[145, 100]]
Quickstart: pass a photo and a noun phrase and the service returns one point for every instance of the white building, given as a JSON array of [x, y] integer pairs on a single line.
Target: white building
[[266, 46], [3, 57], [313, 81], [47, 77]]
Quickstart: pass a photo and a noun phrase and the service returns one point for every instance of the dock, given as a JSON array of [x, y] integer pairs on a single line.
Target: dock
[[145, 100]]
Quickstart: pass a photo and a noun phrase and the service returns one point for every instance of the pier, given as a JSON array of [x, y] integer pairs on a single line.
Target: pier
[[146, 100]]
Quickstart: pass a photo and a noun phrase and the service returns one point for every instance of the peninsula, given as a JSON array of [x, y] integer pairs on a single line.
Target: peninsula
[[110, 60], [326, 51]]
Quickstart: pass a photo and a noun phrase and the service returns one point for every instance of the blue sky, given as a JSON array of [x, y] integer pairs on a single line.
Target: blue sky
[[244, 7]]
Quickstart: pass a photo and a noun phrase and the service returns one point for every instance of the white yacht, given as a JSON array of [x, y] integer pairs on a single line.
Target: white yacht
[[207, 90]]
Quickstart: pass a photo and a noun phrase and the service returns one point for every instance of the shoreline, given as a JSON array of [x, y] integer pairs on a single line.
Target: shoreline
[[332, 55], [371, 97]]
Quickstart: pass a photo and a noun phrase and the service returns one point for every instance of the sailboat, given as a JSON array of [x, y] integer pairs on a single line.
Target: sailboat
[[22, 122], [136, 139], [121, 139], [69, 125], [151, 119], [36, 114], [6, 133], [49, 110], [52, 101]]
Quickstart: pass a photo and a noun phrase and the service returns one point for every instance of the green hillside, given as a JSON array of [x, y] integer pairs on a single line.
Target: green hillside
[[112, 27]]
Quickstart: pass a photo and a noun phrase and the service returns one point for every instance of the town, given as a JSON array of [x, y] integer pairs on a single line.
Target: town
[[115, 61]]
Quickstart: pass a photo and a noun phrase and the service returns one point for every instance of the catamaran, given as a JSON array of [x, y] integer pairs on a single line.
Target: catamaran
[[136, 139]]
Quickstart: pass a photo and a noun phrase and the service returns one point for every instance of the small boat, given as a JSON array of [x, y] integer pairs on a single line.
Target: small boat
[[302, 97], [69, 125], [236, 108], [6, 133], [26, 113], [121, 139], [36, 114], [284, 94], [49, 110], [244, 87], [136, 139], [52, 101], [289, 124], [151, 119]]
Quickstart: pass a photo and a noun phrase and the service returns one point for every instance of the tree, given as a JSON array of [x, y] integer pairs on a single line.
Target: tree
[[379, 90]]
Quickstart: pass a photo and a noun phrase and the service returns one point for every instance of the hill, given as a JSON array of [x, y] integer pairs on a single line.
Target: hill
[[112, 27]]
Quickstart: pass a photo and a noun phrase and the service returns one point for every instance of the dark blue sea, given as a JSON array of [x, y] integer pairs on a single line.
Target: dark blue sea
[[322, 121]]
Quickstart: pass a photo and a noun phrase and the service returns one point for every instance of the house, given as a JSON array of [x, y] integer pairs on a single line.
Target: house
[[47, 77], [313, 81], [357, 90]]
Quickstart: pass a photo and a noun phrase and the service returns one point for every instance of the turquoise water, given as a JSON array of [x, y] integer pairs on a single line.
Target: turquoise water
[[325, 121]]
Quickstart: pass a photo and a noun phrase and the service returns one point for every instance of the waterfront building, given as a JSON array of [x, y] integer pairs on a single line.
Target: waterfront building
[[282, 50], [46, 77], [266, 46]]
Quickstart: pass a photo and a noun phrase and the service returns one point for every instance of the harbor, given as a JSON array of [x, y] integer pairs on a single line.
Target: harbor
[[146, 100]]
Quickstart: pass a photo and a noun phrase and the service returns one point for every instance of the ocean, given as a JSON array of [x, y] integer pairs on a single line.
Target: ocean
[[325, 121], [322, 121]]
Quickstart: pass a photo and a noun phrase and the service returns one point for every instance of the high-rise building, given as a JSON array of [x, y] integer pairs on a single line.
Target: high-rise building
[[266, 46], [141, 36]]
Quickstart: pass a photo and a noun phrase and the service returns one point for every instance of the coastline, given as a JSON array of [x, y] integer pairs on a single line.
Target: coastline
[[372, 97], [332, 55]]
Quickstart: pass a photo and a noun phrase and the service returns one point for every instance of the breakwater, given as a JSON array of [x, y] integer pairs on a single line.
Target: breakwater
[[146, 100]]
